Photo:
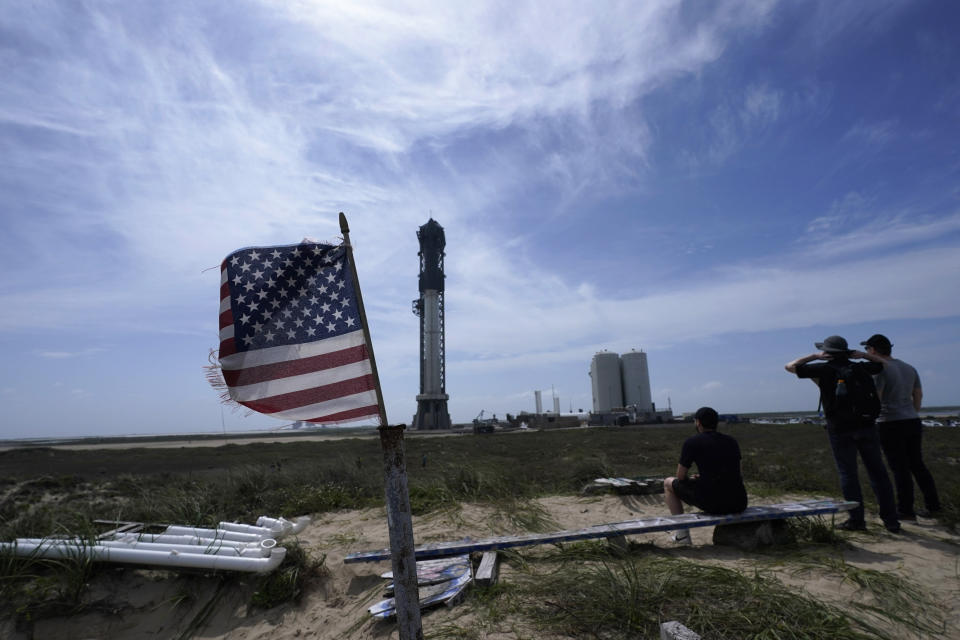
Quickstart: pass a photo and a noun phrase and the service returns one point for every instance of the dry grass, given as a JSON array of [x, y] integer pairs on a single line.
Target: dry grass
[[202, 486]]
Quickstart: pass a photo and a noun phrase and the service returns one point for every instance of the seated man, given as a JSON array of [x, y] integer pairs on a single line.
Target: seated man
[[718, 488]]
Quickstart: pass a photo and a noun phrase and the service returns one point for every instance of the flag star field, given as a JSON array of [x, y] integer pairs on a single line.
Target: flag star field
[[291, 345], [287, 297]]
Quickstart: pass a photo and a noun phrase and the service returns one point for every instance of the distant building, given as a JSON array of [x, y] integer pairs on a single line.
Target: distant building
[[621, 390], [546, 420], [606, 382]]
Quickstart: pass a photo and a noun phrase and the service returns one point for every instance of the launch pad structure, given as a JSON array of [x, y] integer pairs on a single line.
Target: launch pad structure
[[432, 410]]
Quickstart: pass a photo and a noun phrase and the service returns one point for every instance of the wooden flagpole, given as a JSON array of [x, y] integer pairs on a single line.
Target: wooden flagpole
[[345, 230], [399, 520]]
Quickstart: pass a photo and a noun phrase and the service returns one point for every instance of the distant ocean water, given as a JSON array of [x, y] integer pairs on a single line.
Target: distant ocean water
[[940, 411]]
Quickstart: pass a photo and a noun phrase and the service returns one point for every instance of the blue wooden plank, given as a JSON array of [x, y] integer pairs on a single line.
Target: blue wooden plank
[[630, 527]]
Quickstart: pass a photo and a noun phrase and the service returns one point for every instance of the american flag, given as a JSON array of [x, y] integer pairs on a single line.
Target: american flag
[[291, 341]]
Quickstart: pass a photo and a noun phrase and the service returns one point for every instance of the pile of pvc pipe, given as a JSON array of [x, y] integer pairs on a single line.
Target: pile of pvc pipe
[[231, 546]]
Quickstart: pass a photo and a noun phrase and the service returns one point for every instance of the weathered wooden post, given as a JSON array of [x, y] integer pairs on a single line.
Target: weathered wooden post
[[399, 521]]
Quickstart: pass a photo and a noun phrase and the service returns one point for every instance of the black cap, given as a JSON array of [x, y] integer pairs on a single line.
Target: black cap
[[877, 341], [833, 344]]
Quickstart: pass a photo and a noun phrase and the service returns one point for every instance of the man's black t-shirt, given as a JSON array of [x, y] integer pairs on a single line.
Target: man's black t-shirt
[[717, 456], [826, 374]]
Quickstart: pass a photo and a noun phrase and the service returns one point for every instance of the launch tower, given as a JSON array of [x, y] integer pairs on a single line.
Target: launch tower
[[432, 400]]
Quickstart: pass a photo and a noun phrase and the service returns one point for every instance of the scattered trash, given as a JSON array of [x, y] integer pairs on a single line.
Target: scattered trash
[[440, 580], [436, 571], [673, 630], [624, 486]]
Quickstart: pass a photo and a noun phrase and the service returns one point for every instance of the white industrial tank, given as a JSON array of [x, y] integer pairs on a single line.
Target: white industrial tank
[[636, 381], [606, 381]]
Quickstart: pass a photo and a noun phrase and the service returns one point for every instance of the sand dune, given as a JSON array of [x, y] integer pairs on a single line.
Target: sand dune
[[131, 603]]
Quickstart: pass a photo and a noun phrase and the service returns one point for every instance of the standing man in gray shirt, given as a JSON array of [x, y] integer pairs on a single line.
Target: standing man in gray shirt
[[901, 432]]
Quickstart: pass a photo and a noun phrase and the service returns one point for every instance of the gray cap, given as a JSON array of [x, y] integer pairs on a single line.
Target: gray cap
[[833, 344]]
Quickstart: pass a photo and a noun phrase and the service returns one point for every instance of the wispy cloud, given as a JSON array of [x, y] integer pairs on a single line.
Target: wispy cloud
[[837, 23], [61, 355], [184, 143], [734, 123], [851, 206], [761, 106], [832, 237], [524, 322], [873, 133]]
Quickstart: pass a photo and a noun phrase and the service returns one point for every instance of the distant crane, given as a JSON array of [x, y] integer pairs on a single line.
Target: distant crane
[[485, 426]]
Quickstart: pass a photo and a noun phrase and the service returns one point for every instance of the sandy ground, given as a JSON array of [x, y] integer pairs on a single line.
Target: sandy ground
[[131, 603]]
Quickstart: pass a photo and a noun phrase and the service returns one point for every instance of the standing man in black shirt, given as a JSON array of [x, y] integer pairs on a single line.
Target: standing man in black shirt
[[850, 434], [718, 487]]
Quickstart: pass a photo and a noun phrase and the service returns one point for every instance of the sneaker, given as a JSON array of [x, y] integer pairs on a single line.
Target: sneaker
[[928, 513], [681, 538], [893, 527], [908, 517], [853, 525]]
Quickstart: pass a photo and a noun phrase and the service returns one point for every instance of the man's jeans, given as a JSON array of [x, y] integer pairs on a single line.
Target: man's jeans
[[866, 442], [902, 442]]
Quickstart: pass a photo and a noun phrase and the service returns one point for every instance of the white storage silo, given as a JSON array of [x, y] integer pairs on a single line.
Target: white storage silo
[[606, 382], [636, 381]]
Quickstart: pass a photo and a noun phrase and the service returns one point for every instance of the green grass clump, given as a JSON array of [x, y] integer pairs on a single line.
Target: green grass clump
[[815, 530], [322, 497], [428, 498], [288, 581], [32, 587], [891, 598], [630, 598]]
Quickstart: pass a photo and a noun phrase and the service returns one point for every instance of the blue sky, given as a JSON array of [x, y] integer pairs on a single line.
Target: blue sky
[[718, 183]]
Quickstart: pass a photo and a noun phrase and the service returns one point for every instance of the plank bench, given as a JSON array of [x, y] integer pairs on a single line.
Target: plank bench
[[615, 530]]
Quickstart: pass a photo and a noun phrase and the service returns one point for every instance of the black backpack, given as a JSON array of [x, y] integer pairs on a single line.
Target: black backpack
[[856, 401]]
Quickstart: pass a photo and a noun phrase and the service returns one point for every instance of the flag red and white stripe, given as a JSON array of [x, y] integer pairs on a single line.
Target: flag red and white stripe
[[291, 341]]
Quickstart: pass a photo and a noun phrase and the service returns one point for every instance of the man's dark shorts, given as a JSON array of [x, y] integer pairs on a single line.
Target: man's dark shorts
[[686, 490]]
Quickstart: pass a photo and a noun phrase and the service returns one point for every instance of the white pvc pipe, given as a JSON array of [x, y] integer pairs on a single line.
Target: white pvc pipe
[[170, 558], [215, 533], [264, 532], [275, 523], [300, 524], [249, 551], [179, 539], [288, 527], [242, 549]]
